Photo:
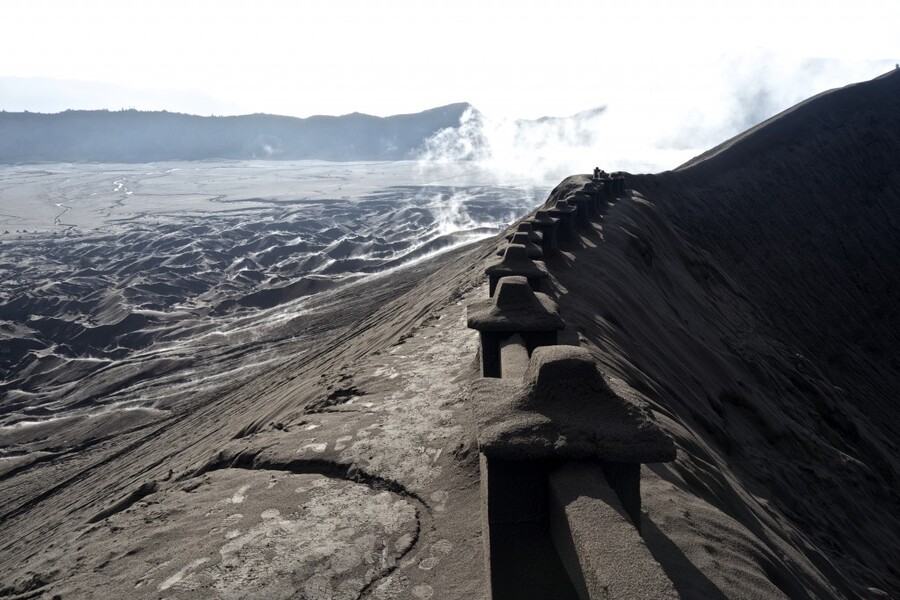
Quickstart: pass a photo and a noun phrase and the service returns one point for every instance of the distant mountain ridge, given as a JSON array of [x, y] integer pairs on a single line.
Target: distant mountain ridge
[[139, 136]]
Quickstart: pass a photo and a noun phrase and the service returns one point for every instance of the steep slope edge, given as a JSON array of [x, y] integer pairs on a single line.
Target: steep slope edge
[[796, 225]]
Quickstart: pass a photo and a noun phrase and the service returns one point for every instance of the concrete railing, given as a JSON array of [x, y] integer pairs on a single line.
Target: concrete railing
[[567, 215], [524, 238], [602, 552], [515, 310], [548, 228], [515, 261], [560, 451]]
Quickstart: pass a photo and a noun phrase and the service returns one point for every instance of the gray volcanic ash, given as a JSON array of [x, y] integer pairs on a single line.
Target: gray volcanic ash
[[798, 222], [748, 298], [149, 284]]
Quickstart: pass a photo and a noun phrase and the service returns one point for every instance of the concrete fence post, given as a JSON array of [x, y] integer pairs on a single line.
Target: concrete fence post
[[549, 230], [515, 261], [541, 513], [523, 238], [565, 212], [515, 309]]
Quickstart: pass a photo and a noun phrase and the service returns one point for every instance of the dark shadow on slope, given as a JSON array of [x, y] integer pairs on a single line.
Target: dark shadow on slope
[[688, 580]]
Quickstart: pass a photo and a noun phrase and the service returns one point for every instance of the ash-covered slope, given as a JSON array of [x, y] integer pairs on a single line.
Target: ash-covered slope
[[795, 227], [804, 209]]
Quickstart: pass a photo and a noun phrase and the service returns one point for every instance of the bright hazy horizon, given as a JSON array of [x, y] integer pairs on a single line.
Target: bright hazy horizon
[[675, 77]]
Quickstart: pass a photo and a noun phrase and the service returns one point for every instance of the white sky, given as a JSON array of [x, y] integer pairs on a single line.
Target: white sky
[[675, 74], [524, 59]]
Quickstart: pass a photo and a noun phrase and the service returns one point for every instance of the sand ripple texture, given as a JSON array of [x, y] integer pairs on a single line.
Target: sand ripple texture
[[130, 287], [243, 534]]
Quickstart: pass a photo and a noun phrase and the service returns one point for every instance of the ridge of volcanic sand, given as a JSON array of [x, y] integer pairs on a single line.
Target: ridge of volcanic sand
[[377, 315], [392, 420]]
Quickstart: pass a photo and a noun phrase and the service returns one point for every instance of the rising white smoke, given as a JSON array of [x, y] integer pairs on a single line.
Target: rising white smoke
[[539, 150], [545, 150], [646, 124]]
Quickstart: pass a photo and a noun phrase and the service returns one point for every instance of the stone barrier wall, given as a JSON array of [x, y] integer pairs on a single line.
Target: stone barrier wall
[[560, 452]]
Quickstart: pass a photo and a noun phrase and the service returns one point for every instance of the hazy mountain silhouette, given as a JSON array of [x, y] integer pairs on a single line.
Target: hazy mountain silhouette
[[138, 136]]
